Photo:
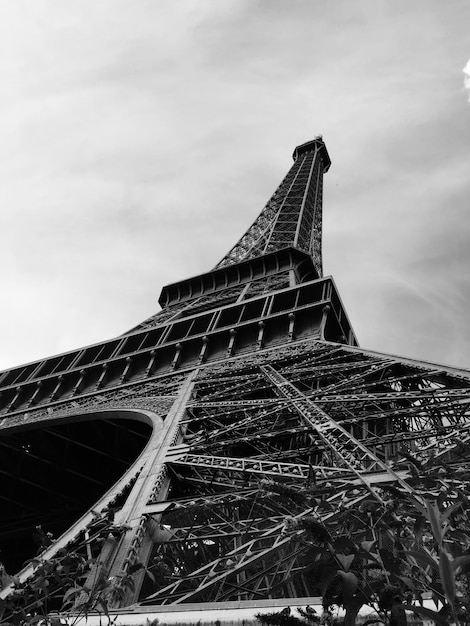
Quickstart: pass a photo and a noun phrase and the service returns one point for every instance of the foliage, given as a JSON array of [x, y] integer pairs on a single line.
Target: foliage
[[308, 616], [278, 619], [71, 581], [390, 552], [395, 550]]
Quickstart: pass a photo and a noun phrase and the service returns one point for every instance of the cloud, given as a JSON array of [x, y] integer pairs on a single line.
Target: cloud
[[466, 80], [139, 140]]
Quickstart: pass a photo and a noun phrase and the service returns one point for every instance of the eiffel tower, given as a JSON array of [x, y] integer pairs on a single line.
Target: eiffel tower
[[247, 385]]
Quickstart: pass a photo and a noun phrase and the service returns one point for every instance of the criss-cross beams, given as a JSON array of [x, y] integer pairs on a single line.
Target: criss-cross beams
[[260, 425], [267, 441], [293, 215], [328, 420]]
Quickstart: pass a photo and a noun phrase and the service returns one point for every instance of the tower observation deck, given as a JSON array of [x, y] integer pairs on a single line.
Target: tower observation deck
[[193, 461]]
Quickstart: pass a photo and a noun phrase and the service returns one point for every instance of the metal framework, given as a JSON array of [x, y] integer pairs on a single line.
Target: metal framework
[[251, 413], [293, 215]]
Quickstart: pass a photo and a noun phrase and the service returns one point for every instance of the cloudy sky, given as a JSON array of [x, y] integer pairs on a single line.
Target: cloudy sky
[[139, 139]]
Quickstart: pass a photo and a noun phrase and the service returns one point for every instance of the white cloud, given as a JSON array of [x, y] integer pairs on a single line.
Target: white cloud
[[466, 80], [139, 140]]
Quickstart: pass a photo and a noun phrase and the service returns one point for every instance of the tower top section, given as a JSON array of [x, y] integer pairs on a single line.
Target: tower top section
[[292, 218], [309, 146]]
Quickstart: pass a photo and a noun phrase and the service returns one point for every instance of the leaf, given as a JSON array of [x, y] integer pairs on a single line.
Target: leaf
[[447, 576], [150, 575], [82, 599], [372, 560], [433, 514], [418, 527], [423, 557], [391, 563], [350, 585], [407, 581], [345, 560], [104, 605], [449, 510], [101, 580], [419, 507], [367, 545], [460, 561], [136, 567], [70, 595], [128, 583], [428, 613]]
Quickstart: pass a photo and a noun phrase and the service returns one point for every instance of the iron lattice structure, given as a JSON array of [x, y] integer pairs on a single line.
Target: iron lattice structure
[[218, 428], [293, 215]]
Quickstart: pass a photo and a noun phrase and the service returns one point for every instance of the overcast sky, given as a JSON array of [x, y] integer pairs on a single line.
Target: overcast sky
[[139, 139]]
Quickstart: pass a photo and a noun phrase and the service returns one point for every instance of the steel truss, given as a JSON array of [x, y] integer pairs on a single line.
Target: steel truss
[[293, 215], [259, 446], [269, 427], [328, 424]]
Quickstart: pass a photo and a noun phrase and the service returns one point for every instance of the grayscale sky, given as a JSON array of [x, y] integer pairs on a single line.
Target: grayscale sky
[[139, 139]]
